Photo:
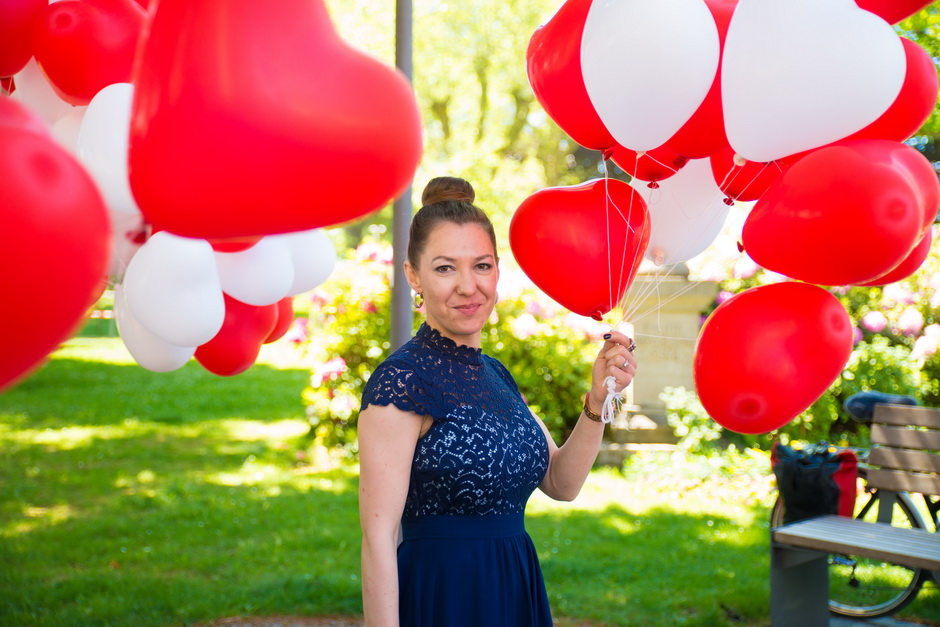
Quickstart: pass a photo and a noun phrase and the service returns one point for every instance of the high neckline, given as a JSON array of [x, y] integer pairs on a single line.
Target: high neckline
[[433, 339]]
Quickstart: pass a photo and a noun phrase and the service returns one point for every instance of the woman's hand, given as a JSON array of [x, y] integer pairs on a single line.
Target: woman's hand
[[615, 359]]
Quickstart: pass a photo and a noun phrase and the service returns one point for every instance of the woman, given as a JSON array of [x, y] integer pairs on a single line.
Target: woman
[[449, 451]]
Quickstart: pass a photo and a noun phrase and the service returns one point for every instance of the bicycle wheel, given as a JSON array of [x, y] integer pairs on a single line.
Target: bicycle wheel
[[861, 587]]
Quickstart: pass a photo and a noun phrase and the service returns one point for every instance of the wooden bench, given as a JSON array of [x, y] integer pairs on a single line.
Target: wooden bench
[[904, 457]]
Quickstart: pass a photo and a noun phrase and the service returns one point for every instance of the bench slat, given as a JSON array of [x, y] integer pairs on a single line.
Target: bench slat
[[836, 534], [905, 438], [904, 459], [903, 415], [900, 481]]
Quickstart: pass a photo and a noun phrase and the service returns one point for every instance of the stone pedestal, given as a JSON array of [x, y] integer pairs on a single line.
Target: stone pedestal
[[665, 311]]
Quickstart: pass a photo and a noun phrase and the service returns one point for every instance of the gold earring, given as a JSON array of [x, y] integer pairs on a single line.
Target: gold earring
[[418, 300]]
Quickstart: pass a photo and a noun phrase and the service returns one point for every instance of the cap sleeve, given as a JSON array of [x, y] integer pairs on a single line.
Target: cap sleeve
[[396, 384]]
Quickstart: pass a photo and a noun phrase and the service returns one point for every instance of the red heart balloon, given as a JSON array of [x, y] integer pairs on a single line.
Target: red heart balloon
[[653, 165], [910, 264], [54, 248], [235, 347], [741, 179], [254, 118], [16, 115], [766, 354], [16, 26], [582, 245], [553, 64], [704, 133], [893, 11], [914, 103], [285, 319], [83, 46], [841, 215]]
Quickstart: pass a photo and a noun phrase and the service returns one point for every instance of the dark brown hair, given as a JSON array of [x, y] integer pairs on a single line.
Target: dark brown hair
[[445, 199]]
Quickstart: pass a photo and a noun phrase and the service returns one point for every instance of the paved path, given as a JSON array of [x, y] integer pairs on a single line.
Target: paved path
[[876, 622]]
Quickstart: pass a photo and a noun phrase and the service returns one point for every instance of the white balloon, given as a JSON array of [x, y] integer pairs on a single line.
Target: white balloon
[[313, 256], [647, 65], [260, 275], [34, 90], [687, 213], [67, 128], [172, 287], [103, 144], [147, 349], [791, 82]]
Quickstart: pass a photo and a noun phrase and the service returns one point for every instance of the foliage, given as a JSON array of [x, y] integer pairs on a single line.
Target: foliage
[[548, 350]]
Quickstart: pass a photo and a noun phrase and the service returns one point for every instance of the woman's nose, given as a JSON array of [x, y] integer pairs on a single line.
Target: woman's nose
[[466, 283]]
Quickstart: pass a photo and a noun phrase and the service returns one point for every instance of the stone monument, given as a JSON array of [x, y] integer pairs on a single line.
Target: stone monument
[[666, 312]]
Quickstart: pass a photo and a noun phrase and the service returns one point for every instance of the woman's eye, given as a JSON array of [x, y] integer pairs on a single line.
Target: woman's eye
[[443, 269], [484, 266]]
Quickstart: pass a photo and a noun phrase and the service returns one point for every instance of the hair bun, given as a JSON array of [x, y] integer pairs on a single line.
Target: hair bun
[[447, 188]]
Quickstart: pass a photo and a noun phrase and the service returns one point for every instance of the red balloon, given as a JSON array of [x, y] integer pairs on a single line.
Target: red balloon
[[652, 165], [16, 26], [704, 133], [914, 103], [741, 179], [15, 115], [582, 245], [910, 264], [893, 11], [54, 248], [766, 354], [234, 244], [83, 46], [235, 347], [285, 318], [553, 64], [842, 215], [255, 118]]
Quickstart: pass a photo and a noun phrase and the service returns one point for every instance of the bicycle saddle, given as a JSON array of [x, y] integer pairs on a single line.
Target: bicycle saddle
[[861, 406]]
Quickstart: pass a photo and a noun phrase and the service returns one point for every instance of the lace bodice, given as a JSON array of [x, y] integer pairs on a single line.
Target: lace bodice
[[484, 453]]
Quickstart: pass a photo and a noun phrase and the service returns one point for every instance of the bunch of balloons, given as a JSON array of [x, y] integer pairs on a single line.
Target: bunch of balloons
[[207, 146], [708, 102]]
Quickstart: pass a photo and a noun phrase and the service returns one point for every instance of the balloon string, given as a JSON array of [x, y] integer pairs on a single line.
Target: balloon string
[[635, 297], [612, 403]]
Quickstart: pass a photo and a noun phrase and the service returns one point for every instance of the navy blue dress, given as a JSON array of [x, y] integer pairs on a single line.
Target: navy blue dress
[[466, 559]]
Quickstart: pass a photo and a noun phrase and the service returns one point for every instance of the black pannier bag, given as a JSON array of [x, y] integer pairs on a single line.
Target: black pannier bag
[[815, 480]]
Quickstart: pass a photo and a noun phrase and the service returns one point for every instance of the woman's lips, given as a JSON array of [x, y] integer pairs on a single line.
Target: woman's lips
[[468, 309]]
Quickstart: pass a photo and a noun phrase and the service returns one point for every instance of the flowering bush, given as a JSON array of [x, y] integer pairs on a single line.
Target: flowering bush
[[897, 336], [547, 349]]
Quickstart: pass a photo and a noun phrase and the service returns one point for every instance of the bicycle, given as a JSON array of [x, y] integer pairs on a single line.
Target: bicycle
[[861, 587]]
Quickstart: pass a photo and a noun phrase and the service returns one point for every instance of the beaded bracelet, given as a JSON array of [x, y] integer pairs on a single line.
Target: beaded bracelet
[[587, 410]]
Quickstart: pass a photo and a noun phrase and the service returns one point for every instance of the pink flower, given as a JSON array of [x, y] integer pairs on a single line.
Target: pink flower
[[327, 371], [875, 321], [298, 333], [744, 268], [319, 297], [723, 295], [525, 326], [534, 308], [927, 344], [369, 307], [911, 321], [858, 336], [897, 293]]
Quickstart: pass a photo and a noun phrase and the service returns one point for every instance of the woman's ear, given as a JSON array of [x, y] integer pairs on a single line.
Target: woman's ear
[[412, 275]]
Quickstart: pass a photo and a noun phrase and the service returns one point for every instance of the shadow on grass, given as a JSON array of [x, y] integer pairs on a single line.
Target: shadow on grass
[[656, 568], [73, 392], [143, 531]]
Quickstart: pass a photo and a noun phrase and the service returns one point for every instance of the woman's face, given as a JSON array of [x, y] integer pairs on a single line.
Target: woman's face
[[457, 276]]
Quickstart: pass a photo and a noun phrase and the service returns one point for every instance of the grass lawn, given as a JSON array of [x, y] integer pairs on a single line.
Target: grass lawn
[[135, 498]]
